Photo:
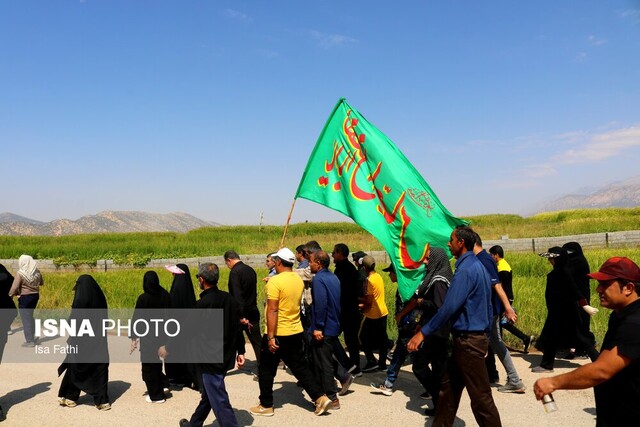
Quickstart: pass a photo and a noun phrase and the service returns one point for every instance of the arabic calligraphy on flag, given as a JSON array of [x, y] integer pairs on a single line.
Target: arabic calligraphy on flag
[[357, 170]]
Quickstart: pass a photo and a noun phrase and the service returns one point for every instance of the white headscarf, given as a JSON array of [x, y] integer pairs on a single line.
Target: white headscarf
[[28, 267]]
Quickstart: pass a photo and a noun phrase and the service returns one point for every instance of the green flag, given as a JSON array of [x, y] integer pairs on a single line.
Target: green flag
[[356, 170]]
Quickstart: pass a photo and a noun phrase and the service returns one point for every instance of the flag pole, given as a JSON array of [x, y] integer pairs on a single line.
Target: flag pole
[[286, 226]]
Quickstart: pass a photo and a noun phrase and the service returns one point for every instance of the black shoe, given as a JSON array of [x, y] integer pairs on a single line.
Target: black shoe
[[370, 367], [527, 343], [184, 423], [430, 412]]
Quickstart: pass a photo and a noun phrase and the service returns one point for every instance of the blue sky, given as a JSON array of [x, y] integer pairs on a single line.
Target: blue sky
[[213, 107]]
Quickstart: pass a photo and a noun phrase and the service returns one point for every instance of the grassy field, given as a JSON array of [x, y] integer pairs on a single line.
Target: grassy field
[[138, 248], [123, 287]]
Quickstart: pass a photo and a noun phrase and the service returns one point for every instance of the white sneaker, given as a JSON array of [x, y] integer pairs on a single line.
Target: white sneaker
[[148, 399]]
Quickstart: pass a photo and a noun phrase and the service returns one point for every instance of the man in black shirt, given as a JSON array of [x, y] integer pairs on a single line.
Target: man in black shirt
[[350, 291], [243, 287], [214, 395], [615, 375]]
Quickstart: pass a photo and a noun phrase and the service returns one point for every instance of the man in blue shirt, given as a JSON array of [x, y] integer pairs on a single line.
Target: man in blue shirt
[[325, 322], [468, 307]]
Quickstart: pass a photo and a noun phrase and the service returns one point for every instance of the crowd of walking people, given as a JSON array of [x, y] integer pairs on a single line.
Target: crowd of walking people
[[450, 329]]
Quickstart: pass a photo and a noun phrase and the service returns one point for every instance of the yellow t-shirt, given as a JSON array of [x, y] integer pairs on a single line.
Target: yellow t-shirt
[[375, 287], [503, 265], [286, 287]]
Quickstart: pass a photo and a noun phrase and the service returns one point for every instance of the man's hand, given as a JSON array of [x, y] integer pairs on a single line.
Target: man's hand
[[511, 315], [543, 386], [590, 310], [240, 360], [415, 341], [162, 352], [273, 346], [318, 336], [134, 344]]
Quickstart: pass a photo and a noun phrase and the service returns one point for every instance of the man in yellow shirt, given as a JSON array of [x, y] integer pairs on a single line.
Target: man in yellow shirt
[[373, 334], [283, 339]]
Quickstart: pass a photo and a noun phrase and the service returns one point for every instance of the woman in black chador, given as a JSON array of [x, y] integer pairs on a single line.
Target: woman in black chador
[[182, 296], [579, 268], [88, 369], [563, 327], [154, 300], [7, 313]]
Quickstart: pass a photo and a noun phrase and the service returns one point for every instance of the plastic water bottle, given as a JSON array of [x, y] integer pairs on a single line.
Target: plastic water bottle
[[549, 404]]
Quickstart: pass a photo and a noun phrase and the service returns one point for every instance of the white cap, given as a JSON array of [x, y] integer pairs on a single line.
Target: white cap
[[285, 254]]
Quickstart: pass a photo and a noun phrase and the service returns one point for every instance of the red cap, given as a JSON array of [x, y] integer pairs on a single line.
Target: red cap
[[617, 268]]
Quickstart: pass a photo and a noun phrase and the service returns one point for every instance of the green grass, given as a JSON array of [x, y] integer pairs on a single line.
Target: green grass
[[137, 248], [122, 288]]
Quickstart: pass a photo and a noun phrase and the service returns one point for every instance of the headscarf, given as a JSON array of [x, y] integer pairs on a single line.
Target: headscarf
[[438, 268], [151, 283], [88, 293], [578, 268], [182, 293], [560, 259], [28, 268]]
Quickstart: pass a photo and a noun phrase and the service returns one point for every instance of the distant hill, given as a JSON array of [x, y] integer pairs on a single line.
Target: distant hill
[[6, 217], [622, 194], [103, 222]]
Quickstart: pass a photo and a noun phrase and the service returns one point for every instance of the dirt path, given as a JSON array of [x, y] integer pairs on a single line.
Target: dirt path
[[28, 394]]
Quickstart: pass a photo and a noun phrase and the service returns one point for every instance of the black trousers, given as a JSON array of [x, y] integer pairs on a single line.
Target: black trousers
[[255, 337], [291, 352], [323, 364], [374, 336], [433, 352], [350, 328]]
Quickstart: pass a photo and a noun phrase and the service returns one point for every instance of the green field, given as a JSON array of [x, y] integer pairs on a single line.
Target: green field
[[138, 248], [123, 287]]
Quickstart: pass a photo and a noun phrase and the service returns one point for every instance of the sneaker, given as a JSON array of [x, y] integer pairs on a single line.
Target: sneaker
[[512, 388], [541, 370], [346, 384], [67, 402], [262, 411], [184, 423], [425, 396], [148, 399], [381, 388], [28, 344], [527, 342], [104, 406], [322, 404], [370, 367], [335, 404]]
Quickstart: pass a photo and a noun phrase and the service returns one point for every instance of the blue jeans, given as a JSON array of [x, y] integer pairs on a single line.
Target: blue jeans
[[214, 397], [399, 356], [26, 305]]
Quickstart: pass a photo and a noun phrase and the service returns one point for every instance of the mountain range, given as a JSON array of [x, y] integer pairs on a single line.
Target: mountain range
[[621, 194], [103, 222]]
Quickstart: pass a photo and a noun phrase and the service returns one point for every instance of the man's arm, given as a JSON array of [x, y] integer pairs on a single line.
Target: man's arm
[[508, 310], [609, 363], [272, 323]]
